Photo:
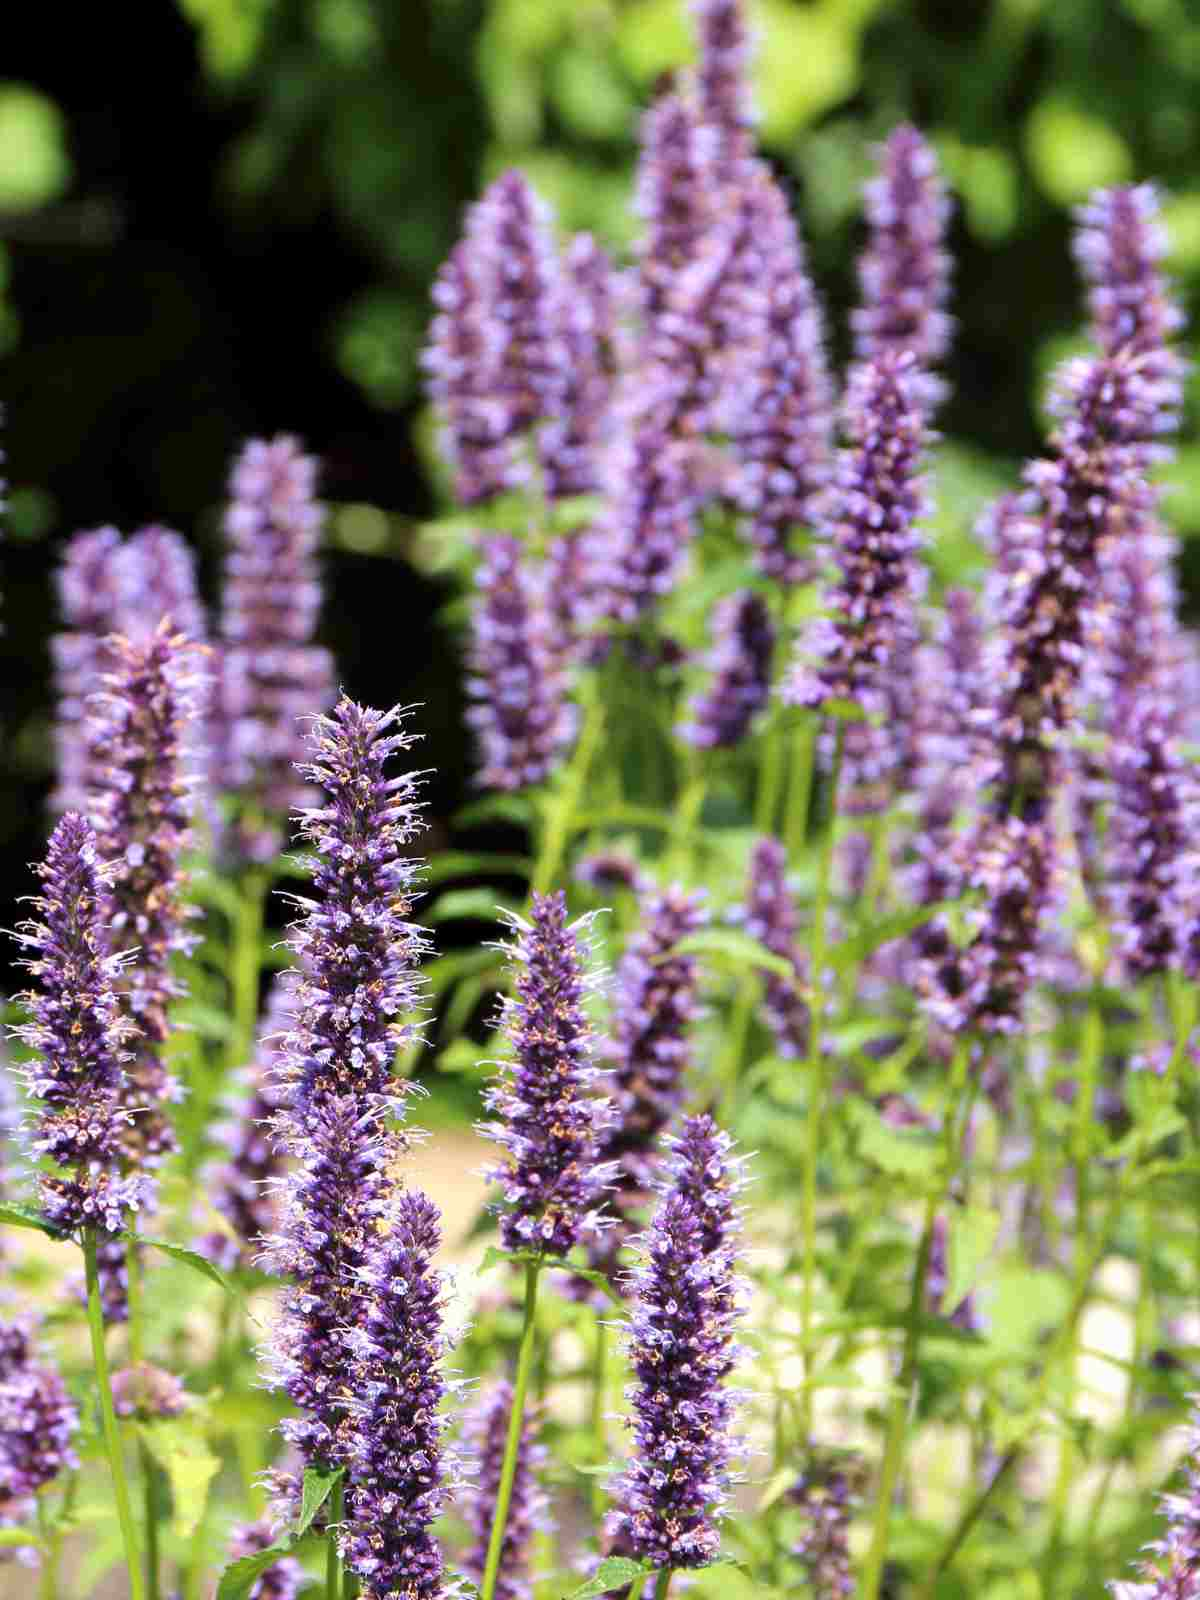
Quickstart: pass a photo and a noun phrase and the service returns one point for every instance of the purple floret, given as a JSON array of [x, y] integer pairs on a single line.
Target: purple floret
[[37, 1421]]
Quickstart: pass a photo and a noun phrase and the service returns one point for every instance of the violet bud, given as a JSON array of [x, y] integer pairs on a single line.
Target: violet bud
[[37, 1421], [722, 86], [574, 434], [146, 1391], [826, 1495]]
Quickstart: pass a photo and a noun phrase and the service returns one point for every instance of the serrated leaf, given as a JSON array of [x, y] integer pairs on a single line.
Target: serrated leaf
[[614, 1572], [193, 1259], [239, 1577], [902, 1152], [495, 1256], [973, 1231], [734, 949], [179, 1446], [316, 1489], [26, 1217], [850, 952]]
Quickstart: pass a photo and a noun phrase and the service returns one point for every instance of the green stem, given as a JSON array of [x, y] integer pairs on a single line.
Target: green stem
[[739, 1028], [137, 1355], [688, 806], [800, 780], [599, 1397], [333, 1561], [112, 1435], [51, 1550], [246, 939], [663, 1584], [561, 814], [771, 771], [150, 1504], [512, 1444], [816, 1078]]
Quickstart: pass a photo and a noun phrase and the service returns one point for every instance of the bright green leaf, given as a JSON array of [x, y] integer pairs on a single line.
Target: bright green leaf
[[197, 1262], [972, 1233], [1072, 152], [26, 1217], [238, 1579], [35, 167], [181, 1450], [317, 1488], [855, 950], [615, 1572], [735, 949], [903, 1152]]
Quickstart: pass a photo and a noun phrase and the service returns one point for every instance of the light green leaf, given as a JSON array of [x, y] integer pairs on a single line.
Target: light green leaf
[[1073, 152], [615, 1572], [191, 1258], [181, 1450], [238, 1579], [972, 1233], [35, 166], [317, 1488], [16, 1537], [903, 1152], [732, 948], [856, 949]]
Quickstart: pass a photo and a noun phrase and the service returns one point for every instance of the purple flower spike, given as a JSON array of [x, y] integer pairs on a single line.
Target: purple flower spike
[[282, 1579], [771, 919], [1169, 1567], [875, 501], [826, 1495], [671, 198], [486, 1431], [88, 598], [269, 673], [549, 1122], [244, 1189], [904, 273], [141, 810], [654, 1008], [333, 1203], [398, 1481], [37, 1420], [497, 356], [521, 714], [156, 576], [572, 438], [723, 90], [681, 1348], [78, 1033], [785, 438], [353, 997], [740, 664]]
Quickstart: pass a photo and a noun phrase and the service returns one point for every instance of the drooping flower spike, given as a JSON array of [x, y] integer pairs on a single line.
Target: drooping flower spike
[[549, 1123]]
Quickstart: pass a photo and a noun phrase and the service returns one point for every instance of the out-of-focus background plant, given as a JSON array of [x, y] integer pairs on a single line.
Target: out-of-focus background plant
[[222, 217]]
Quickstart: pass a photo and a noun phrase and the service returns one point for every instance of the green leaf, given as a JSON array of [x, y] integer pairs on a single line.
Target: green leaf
[[181, 1450], [238, 1579], [734, 949], [973, 1231], [856, 949], [26, 1217], [467, 863], [843, 710], [516, 808], [599, 1279], [1160, 1124], [614, 1572], [191, 1258], [483, 905], [318, 1486], [16, 1537], [494, 1256], [902, 1152]]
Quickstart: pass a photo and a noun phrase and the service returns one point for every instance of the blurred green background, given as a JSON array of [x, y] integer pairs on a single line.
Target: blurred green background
[[221, 217]]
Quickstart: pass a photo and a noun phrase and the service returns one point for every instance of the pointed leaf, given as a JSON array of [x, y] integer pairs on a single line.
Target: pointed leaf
[[239, 1578], [179, 1446], [193, 1259], [318, 1486], [26, 1217], [973, 1231], [17, 1537], [856, 949], [734, 949], [615, 1572], [598, 1279]]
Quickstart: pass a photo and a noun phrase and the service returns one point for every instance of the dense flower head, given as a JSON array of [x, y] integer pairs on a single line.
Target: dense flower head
[[826, 1493], [740, 665], [282, 1579], [549, 1123], [722, 82], [393, 1432], [655, 1004], [672, 198], [37, 1420], [485, 1433], [331, 1207], [520, 712], [269, 675], [78, 1033], [355, 986], [497, 356], [770, 917], [703, 1170], [686, 1304], [784, 436], [155, 577], [571, 442], [242, 1189], [142, 809], [88, 603], [904, 273], [874, 503], [148, 1391], [1170, 1567]]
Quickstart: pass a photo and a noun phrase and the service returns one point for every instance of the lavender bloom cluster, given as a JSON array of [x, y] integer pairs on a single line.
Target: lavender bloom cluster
[[395, 1453], [740, 665], [681, 1349], [78, 1033], [269, 674], [521, 714], [549, 1124], [38, 1419], [485, 1432]]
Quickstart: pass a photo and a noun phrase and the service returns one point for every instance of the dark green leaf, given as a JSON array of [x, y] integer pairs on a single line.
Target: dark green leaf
[[318, 1486], [26, 1217], [467, 863], [483, 905], [615, 1572], [238, 1579]]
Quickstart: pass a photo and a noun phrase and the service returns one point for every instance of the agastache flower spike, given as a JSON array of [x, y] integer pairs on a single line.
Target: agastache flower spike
[[155, 573], [723, 90], [740, 664], [785, 437], [269, 673], [572, 438], [88, 599], [875, 501], [522, 717], [486, 1431], [549, 1122], [282, 1579], [655, 1005], [671, 198], [78, 1032], [353, 996], [825, 1494], [770, 917], [1170, 1567], [397, 1461], [681, 1347], [904, 273], [37, 1420]]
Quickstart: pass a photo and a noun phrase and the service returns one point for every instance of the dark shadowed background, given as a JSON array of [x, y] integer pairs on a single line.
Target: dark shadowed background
[[221, 217]]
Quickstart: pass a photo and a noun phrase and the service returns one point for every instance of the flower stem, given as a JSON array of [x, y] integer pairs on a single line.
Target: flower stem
[[246, 936], [333, 1559], [800, 781], [599, 1395], [112, 1435], [564, 804], [663, 1584], [512, 1444]]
